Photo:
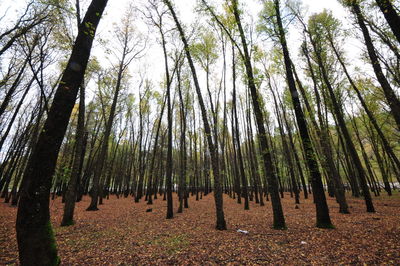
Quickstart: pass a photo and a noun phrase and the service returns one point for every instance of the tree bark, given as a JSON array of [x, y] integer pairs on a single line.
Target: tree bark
[[391, 97], [343, 129], [278, 219], [36, 243], [391, 16], [70, 197], [221, 224], [323, 218]]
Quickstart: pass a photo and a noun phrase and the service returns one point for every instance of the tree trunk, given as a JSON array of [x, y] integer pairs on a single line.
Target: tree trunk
[[36, 243], [278, 219], [389, 93], [221, 224], [243, 190], [70, 197], [343, 129], [391, 16], [323, 218]]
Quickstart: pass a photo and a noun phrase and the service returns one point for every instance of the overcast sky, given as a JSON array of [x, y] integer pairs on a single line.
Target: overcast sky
[[185, 10], [153, 58]]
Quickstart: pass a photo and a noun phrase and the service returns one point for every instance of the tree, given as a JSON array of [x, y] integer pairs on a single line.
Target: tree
[[131, 46], [36, 243], [323, 218], [236, 138], [71, 193], [316, 41], [332, 32], [33, 15], [279, 220], [221, 224], [391, 97], [391, 16]]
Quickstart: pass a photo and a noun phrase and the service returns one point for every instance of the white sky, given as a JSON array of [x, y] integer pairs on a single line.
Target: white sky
[[153, 58], [116, 8], [185, 10]]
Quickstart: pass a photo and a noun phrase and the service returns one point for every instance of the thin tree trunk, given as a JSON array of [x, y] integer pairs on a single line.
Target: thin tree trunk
[[389, 93], [343, 129], [278, 217], [243, 191], [70, 199], [323, 218], [221, 224], [391, 16]]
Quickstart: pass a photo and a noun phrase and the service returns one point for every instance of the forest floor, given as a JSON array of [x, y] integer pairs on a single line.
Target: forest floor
[[123, 233]]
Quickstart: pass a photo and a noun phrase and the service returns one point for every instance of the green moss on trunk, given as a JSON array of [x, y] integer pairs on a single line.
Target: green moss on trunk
[[49, 236]]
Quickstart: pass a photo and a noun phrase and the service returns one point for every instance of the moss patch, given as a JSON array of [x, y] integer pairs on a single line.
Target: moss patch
[[49, 236]]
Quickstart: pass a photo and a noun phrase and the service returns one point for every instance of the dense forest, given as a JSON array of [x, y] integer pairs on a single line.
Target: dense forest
[[259, 103]]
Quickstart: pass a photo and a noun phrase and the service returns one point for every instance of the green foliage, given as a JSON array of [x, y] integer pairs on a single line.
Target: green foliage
[[92, 68], [205, 50], [48, 236], [276, 62], [266, 23], [287, 98], [323, 25], [349, 3]]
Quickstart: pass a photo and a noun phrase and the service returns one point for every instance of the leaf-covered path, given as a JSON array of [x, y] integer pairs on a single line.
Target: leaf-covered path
[[123, 233]]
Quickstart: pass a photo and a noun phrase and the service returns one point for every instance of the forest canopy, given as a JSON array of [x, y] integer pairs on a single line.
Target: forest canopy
[[174, 100]]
